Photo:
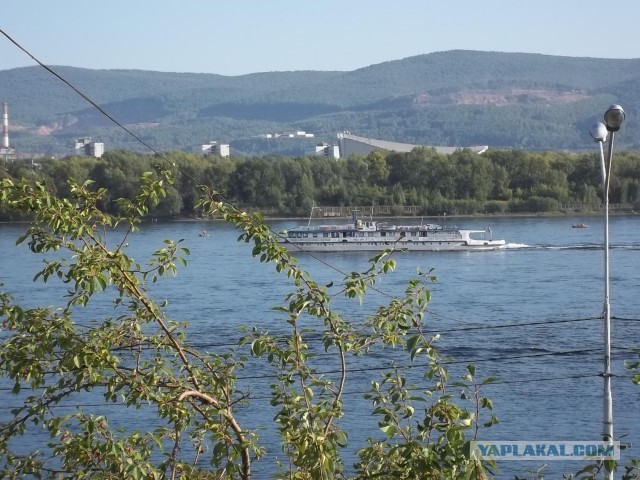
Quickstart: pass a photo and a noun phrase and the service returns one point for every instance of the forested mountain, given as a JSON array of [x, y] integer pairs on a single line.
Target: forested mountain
[[455, 98]]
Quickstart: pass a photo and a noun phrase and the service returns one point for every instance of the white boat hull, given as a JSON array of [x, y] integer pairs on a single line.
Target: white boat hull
[[365, 245]]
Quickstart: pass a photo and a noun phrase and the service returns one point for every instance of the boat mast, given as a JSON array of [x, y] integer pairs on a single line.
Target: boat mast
[[311, 214]]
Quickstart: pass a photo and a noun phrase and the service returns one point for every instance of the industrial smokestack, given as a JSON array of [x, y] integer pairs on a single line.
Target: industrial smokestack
[[5, 125]]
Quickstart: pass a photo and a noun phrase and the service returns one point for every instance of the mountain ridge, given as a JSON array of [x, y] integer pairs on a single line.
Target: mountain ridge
[[457, 97]]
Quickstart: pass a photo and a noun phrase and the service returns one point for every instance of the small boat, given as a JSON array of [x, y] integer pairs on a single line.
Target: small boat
[[580, 225], [369, 235], [203, 233]]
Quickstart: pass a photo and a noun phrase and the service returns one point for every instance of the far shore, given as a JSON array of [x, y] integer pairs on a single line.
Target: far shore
[[430, 217], [331, 218]]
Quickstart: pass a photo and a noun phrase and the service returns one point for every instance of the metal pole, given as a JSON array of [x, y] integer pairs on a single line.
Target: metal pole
[[607, 397], [613, 118]]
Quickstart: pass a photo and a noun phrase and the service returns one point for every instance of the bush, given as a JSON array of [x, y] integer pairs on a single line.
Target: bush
[[535, 205], [496, 206]]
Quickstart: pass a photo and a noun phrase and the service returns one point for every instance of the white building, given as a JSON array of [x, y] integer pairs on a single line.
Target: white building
[[324, 149], [215, 148], [95, 149], [90, 148]]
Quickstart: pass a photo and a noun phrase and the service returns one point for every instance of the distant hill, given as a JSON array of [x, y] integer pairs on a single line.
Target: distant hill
[[513, 100]]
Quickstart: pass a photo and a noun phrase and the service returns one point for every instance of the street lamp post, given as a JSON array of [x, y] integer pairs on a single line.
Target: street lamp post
[[613, 118]]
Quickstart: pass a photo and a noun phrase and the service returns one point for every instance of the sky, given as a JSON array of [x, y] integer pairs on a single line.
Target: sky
[[236, 37]]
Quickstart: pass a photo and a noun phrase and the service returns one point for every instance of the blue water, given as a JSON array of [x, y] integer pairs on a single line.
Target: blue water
[[549, 388]]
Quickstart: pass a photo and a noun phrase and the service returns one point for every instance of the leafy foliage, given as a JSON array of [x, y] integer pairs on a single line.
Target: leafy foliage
[[143, 360], [430, 183]]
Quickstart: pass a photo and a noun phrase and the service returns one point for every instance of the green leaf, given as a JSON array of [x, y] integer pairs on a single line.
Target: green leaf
[[411, 344], [471, 368], [22, 238], [389, 430]]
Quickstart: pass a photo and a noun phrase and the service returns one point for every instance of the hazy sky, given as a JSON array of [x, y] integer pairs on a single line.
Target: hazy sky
[[235, 37]]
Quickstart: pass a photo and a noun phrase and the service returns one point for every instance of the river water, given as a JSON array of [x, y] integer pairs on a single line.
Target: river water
[[550, 277]]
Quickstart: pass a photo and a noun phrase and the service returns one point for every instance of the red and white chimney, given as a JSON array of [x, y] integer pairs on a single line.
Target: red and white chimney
[[5, 125]]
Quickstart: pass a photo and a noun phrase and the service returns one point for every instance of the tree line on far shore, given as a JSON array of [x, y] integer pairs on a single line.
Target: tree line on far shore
[[497, 181]]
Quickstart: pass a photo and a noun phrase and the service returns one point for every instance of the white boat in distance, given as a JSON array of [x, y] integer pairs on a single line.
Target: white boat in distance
[[368, 235]]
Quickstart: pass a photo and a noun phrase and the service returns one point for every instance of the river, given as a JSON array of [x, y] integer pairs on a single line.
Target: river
[[529, 314]]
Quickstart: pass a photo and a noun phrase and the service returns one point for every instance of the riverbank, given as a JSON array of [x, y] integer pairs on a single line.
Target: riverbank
[[414, 211], [277, 217], [388, 212]]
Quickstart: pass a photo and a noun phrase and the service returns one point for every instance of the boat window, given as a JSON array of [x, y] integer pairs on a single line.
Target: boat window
[[325, 234]]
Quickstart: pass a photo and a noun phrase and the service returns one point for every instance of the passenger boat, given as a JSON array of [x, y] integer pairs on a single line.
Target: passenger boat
[[369, 235]]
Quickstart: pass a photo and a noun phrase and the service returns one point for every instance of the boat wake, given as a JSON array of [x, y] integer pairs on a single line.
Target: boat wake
[[512, 246], [626, 247], [578, 246]]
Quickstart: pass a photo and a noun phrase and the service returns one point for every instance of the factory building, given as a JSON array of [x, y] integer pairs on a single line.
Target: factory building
[[89, 147], [324, 149], [215, 148], [352, 144]]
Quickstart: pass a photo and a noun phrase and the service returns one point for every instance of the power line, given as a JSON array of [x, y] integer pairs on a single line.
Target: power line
[[317, 336], [458, 362], [446, 361], [625, 319], [444, 330], [497, 382]]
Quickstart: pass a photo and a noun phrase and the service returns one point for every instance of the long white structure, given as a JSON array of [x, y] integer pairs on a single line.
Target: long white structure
[[353, 144]]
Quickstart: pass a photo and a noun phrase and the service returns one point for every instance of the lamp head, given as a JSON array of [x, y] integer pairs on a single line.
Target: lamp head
[[614, 117], [599, 132]]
